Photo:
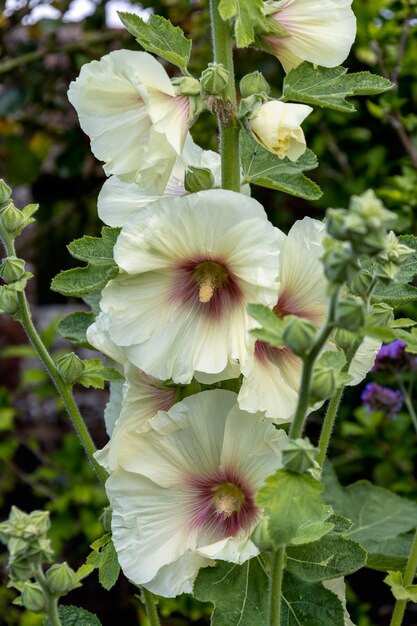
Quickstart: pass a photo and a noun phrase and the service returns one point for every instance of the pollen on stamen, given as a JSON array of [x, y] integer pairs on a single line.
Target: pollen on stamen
[[226, 505], [207, 289]]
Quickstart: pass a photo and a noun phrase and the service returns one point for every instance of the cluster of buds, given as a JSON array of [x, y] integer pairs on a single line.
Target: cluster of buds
[[25, 535]]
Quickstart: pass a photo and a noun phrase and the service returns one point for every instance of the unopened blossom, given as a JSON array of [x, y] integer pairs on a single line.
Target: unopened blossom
[[277, 126], [319, 32], [129, 108], [378, 398], [184, 493], [188, 268], [272, 375]]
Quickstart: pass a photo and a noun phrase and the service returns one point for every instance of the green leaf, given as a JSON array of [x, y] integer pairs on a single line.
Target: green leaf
[[292, 502], [238, 593], [391, 553], [96, 250], [379, 517], [332, 359], [248, 17], [81, 281], [261, 167], [95, 374], [160, 37], [398, 589], [307, 604], [272, 325], [74, 326], [394, 294], [403, 322], [409, 267], [109, 568], [330, 557], [74, 616], [329, 87]]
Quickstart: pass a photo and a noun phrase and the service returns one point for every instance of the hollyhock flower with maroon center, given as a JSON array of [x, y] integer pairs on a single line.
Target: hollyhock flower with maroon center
[[184, 492], [189, 267], [319, 32], [136, 122]]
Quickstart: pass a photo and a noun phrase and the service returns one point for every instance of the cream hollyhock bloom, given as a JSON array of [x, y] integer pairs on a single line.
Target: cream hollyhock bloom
[[189, 267], [272, 375], [184, 493], [277, 127], [129, 109], [319, 32]]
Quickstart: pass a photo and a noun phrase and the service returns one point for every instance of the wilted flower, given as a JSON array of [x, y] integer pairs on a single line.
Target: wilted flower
[[129, 109], [184, 495], [189, 267], [378, 398], [319, 32], [276, 126]]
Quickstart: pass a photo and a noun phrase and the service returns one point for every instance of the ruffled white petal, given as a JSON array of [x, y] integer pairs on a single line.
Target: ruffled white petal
[[176, 578], [113, 406], [320, 32], [363, 360]]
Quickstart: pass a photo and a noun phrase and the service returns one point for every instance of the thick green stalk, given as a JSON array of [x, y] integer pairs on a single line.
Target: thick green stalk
[[297, 425], [51, 601], [277, 571], [226, 115], [410, 572], [151, 611]]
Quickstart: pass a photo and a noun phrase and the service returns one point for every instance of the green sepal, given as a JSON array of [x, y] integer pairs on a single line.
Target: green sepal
[[399, 590], [159, 37], [74, 326], [249, 19], [329, 87], [95, 374], [263, 168]]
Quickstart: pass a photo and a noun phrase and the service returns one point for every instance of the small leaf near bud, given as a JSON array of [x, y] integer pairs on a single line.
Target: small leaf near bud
[[5, 193], [11, 219], [253, 84], [12, 269], [61, 578], [70, 367], [299, 335], [198, 179], [350, 314], [33, 598], [299, 455], [214, 78]]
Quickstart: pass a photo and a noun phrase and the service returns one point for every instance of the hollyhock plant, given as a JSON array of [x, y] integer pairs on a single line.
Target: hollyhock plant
[[271, 376], [276, 126], [189, 267], [128, 107], [184, 494], [319, 32]]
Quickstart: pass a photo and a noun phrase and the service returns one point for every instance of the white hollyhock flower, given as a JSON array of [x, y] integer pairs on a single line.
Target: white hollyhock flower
[[128, 107], [190, 265], [277, 127], [319, 32], [272, 376], [184, 494]]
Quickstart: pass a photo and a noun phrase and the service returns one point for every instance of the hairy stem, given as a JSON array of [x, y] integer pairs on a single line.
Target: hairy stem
[[151, 611], [408, 402], [277, 571], [226, 110], [51, 601], [410, 572]]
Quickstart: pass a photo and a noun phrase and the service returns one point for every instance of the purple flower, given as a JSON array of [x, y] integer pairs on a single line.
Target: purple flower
[[393, 351], [378, 398]]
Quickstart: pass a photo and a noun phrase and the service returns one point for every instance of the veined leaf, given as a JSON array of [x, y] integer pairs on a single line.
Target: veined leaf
[[81, 281], [74, 326], [248, 17], [96, 250]]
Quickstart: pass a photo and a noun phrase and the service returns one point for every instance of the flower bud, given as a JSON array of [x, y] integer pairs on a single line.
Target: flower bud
[[11, 219], [261, 536], [12, 269], [252, 84], [299, 455], [299, 335], [32, 597], [276, 126], [344, 339], [20, 569], [350, 314], [214, 78], [198, 179], [324, 385], [70, 367], [361, 283], [5, 193], [340, 263], [381, 314], [9, 302], [187, 86], [61, 578]]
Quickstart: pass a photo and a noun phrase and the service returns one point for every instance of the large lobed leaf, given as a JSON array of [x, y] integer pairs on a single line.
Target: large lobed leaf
[[248, 18]]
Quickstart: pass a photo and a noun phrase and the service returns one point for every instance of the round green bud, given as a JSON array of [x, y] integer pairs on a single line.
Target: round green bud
[[299, 335], [32, 597], [12, 269], [70, 367], [11, 218], [381, 314], [214, 78], [252, 84], [9, 302], [5, 193], [261, 536], [61, 578], [20, 568], [350, 314], [299, 455], [198, 179], [344, 339], [323, 385]]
